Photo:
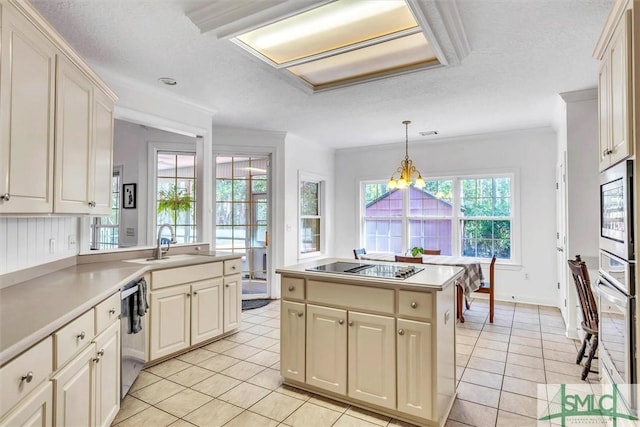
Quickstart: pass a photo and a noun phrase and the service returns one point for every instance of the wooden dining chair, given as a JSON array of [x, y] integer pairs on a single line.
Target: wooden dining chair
[[358, 252], [589, 313], [415, 260], [488, 287]]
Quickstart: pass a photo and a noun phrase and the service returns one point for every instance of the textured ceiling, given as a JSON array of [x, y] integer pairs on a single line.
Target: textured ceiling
[[522, 54]]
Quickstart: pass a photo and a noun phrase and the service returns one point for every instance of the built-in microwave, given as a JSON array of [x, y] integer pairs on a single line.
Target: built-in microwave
[[616, 210], [619, 272]]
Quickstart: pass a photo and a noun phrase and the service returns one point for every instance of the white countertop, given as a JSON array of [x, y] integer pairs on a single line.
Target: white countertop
[[33, 309], [434, 277]]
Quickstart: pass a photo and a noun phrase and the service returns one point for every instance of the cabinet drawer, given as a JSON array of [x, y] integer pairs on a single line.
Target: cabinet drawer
[[37, 361], [354, 297], [292, 288], [107, 312], [233, 266], [73, 338], [191, 273], [415, 304]]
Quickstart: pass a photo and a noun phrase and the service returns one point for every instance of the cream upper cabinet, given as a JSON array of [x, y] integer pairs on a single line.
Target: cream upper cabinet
[[614, 96], [84, 143], [206, 310], [56, 122], [27, 103], [372, 359], [101, 155], [292, 340]]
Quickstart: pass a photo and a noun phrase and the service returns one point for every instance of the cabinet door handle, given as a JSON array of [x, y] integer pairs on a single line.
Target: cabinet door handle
[[195, 293], [5, 197], [101, 352], [351, 323], [28, 377], [81, 335], [414, 304], [341, 322], [226, 286], [292, 288], [112, 311], [300, 314], [400, 331], [96, 360], [92, 204], [188, 295]]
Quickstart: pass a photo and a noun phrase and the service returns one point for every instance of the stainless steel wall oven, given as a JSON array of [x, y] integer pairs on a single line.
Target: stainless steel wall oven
[[616, 210]]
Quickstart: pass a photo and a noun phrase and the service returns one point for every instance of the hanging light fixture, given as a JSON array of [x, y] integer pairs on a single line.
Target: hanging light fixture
[[406, 171]]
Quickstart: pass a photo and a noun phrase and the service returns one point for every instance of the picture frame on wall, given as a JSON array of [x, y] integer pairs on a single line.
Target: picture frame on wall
[[129, 196]]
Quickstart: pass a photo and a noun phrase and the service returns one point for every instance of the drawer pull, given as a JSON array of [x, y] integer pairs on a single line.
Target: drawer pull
[[341, 322], [292, 288], [27, 377], [81, 335], [112, 311], [233, 267], [401, 332], [300, 314], [414, 304]]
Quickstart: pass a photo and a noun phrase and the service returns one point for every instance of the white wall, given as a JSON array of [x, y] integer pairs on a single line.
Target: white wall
[[307, 157], [530, 153], [25, 242]]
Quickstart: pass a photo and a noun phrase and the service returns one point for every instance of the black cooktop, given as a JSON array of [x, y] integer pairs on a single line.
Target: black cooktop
[[386, 271]]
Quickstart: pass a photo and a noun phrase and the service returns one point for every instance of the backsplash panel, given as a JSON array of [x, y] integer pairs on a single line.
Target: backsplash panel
[[25, 242]]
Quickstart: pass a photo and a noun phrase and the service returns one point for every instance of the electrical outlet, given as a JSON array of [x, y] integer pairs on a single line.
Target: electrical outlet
[[526, 276], [71, 242], [52, 246]]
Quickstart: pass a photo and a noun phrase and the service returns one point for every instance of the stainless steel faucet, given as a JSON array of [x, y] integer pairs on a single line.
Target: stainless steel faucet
[[159, 252]]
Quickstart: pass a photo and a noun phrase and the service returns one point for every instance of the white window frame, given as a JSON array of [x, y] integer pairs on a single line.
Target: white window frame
[[153, 148], [456, 225], [322, 182]]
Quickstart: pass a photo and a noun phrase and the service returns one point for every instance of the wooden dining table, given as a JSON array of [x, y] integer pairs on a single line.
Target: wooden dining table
[[471, 279]]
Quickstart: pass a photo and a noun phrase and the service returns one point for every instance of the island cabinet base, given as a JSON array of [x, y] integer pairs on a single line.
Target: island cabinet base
[[387, 347]]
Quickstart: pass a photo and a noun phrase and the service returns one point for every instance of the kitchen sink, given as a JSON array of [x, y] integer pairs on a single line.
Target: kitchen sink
[[167, 259]]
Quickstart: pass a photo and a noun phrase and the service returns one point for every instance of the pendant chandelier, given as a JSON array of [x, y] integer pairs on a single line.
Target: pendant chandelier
[[406, 171]]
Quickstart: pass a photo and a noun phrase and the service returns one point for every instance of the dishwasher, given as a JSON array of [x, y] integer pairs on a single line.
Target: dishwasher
[[132, 335]]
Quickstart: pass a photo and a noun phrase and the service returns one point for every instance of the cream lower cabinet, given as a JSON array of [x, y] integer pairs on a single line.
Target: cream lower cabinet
[[189, 314], [87, 389], [170, 312], [354, 349], [387, 349], [232, 302], [107, 376], [414, 368], [292, 340], [34, 411]]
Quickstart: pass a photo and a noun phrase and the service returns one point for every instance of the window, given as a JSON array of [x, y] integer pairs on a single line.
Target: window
[[176, 193], [311, 222], [105, 230], [469, 216]]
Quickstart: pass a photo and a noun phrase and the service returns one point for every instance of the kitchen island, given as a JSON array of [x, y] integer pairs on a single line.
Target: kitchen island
[[377, 335]]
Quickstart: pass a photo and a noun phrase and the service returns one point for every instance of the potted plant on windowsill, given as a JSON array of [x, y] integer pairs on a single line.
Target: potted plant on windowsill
[[417, 250]]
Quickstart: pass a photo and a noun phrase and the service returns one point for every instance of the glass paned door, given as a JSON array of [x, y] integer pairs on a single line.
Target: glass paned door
[[242, 217]]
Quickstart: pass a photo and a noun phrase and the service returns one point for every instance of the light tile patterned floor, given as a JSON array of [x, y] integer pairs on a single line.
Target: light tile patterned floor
[[236, 381]]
